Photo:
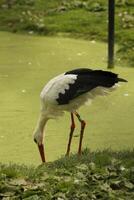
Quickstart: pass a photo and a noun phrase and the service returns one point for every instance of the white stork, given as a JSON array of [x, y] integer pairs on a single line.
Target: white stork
[[67, 92]]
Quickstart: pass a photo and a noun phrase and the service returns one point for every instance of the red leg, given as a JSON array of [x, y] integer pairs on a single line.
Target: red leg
[[83, 124], [71, 134]]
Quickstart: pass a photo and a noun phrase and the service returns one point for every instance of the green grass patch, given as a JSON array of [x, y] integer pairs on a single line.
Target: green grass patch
[[94, 175], [84, 18]]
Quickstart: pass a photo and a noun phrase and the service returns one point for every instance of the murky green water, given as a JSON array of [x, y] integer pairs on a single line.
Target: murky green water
[[26, 64]]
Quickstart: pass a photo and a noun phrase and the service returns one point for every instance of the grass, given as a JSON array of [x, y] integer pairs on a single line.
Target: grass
[[94, 175], [85, 19]]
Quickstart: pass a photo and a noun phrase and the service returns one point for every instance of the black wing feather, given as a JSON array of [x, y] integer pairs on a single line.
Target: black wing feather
[[87, 79], [81, 86]]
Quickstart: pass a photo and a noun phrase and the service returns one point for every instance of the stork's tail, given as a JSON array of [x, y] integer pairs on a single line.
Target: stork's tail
[[122, 80]]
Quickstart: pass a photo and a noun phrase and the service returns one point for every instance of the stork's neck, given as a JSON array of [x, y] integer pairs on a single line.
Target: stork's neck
[[38, 133], [41, 123]]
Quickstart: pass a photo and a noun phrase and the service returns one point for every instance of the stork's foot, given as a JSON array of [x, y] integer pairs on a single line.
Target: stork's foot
[[67, 154]]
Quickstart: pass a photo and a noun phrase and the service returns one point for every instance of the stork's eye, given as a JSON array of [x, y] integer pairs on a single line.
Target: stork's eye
[[35, 140]]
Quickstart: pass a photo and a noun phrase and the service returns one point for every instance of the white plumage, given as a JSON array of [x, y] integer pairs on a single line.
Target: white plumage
[[55, 86]]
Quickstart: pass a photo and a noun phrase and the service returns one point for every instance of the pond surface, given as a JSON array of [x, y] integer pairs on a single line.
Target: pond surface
[[26, 64]]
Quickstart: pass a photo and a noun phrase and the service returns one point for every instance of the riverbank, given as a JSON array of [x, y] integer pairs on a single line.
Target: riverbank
[[99, 175], [79, 19]]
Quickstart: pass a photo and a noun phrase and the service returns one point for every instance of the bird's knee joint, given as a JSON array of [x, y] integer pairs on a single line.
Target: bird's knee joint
[[83, 123], [72, 126]]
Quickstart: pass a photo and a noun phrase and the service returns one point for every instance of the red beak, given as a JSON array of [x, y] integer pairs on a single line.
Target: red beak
[[42, 154]]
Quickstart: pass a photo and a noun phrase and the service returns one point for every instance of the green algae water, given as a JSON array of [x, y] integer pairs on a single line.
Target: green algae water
[[26, 64]]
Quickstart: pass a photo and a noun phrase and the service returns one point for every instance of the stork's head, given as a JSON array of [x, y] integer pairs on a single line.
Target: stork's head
[[38, 139]]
